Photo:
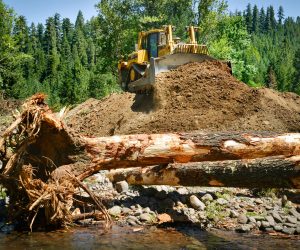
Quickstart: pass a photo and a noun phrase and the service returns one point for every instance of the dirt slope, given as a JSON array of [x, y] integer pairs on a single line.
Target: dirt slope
[[192, 97]]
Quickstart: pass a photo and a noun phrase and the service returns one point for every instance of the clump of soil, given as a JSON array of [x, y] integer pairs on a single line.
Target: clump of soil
[[196, 96]]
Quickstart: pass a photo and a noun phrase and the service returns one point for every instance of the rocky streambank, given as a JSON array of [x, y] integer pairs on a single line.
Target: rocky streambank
[[242, 210]]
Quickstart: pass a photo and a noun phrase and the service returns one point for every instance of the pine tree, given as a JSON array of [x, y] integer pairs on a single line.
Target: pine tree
[[296, 80], [249, 18], [273, 22], [280, 15], [262, 20], [255, 21]]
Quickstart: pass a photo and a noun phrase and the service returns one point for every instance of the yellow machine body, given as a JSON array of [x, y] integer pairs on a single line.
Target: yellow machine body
[[158, 51]]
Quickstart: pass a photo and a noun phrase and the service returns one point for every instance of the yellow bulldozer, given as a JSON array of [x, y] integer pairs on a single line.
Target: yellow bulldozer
[[158, 51]]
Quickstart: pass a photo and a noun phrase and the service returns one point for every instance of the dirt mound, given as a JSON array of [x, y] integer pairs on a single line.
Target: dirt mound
[[194, 96]]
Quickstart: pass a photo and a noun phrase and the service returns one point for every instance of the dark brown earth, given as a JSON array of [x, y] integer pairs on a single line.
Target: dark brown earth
[[197, 96]]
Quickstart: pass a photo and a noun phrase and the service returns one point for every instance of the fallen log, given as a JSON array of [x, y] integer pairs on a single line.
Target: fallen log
[[45, 162], [269, 172], [145, 150]]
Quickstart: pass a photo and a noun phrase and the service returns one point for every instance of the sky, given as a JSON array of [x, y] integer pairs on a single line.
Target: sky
[[39, 10]]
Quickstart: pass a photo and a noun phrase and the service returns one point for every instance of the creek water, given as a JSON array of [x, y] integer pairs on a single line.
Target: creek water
[[184, 237]]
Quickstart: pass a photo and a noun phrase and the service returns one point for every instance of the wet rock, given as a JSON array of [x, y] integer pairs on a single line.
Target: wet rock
[[131, 222], [207, 198], [196, 203], [265, 224], [138, 212], [242, 219], [222, 201], [244, 228], [278, 228], [133, 218], [276, 217], [298, 230], [147, 218], [258, 201], [291, 219], [284, 200], [270, 220], [115, 211], [142, 200], [294, 213], [259, 218], [126, 210], [233, 214], [258, 224], [146, 210], [182, 191], [252, 220], [289, 225], [288, 230]]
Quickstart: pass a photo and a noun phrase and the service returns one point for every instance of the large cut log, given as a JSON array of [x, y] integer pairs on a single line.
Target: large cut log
[[145, 150], [44, 161], [269, 172]]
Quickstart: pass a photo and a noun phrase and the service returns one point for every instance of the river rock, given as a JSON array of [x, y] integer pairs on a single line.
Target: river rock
[[284, 200], [146, 210], [182, 191], [207, 198], [258, 201], [252, 220], [288, 230], [265, 224], [276, 217], [126, 210], [196, 203], [278, 228], [234, 214], [146, 218], [244, 228], [115, 211], [242, 219], [298, 230], [122, 186], [222, 201], [291, 219], [294, 213], [270, 220], [131, 222]]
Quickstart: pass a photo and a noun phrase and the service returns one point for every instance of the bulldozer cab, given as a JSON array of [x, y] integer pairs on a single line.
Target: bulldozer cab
[[153, 42]]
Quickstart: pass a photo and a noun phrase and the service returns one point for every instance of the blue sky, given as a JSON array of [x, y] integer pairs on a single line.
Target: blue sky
[[40, 10]]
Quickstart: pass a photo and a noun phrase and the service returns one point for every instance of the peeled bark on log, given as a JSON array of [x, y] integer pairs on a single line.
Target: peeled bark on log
[[270, 172], [145, 150], [47, 161]]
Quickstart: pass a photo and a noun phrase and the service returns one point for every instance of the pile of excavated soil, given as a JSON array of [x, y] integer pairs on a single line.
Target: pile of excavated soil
[[196, 96]]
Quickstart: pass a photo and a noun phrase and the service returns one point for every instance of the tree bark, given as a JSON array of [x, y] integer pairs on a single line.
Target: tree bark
[[145, 150], [269, 172]]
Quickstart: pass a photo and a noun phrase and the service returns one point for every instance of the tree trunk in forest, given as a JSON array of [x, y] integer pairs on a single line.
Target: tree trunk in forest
[[269, 172]]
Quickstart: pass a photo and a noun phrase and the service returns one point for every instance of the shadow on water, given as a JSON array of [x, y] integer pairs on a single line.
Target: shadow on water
[[179, 237]]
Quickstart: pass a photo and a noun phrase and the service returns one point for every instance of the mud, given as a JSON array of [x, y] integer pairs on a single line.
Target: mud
[[197, 96]]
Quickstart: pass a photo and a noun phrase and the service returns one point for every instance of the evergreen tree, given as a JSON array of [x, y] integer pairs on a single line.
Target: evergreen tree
[[280, 15], [249, 18], [296, 80], [262, 20], [255, 21]]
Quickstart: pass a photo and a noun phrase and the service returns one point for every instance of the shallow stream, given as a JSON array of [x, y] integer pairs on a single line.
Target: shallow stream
[[184, 237]]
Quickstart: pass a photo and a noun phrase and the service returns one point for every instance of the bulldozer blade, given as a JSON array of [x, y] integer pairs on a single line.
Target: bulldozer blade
[[164, 64]]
